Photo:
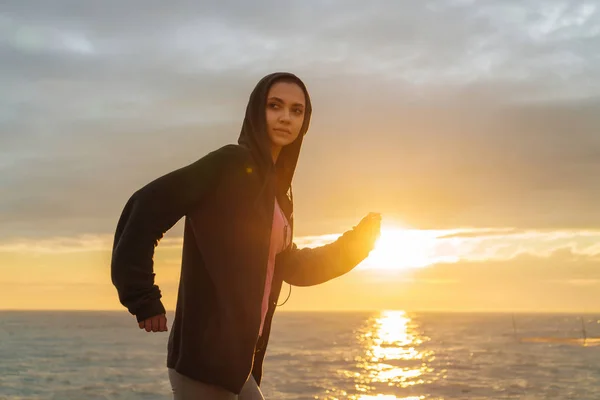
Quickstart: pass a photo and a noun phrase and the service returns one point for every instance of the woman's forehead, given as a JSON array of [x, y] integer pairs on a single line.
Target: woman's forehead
[[288, 92]]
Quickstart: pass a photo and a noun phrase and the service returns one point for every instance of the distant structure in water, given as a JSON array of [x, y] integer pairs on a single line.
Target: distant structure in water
[[584, 340]]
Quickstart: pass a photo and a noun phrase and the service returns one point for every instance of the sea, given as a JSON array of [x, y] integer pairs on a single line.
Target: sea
[[389, 354]]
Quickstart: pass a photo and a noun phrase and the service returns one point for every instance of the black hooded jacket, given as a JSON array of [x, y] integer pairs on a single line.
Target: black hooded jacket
[[227, 198]]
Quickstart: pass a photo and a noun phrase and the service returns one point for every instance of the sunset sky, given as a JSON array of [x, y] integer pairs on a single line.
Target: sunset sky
[[473, 127]]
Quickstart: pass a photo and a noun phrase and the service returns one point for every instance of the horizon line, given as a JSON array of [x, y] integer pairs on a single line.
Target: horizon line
[[421, 311]]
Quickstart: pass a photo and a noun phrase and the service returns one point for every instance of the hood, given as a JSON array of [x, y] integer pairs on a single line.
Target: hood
[[255, 137]]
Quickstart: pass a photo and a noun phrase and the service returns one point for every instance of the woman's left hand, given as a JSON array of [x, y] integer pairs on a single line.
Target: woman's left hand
[[369, 228]]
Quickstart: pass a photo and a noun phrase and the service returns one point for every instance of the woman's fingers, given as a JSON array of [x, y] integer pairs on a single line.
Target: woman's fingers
[[373, 221], [163, 323], [370, 228], [157, 323], [370, 219], [375, 215]]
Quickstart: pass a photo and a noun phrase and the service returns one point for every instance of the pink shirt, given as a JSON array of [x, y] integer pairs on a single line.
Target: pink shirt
[[278, 244]]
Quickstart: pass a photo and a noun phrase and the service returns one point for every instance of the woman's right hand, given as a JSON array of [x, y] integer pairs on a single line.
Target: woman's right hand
[[158, 323]]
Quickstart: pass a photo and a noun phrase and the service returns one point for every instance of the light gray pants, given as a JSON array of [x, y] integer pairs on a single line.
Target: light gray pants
[[185, 388]]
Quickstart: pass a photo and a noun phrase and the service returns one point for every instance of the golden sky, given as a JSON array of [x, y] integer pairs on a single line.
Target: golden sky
[[471, 126], [451, 270]]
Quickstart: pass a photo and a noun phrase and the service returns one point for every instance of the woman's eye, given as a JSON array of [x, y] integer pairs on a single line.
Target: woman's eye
[[298, 111], [273, 105]]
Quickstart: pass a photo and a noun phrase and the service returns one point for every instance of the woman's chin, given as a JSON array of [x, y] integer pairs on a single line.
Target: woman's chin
[[282, 143]]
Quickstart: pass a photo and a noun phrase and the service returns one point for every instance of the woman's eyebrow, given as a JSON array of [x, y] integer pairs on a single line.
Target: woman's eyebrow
[[281, 101]]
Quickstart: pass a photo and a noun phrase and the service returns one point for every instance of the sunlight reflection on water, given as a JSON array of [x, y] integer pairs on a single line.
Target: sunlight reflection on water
[[390, 397], [393, 357]]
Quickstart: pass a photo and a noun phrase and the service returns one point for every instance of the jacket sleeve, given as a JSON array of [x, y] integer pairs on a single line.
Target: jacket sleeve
[[148, 214], [313, 266]]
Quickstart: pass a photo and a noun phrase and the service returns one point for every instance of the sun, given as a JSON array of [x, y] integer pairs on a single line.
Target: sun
[[402, 248]]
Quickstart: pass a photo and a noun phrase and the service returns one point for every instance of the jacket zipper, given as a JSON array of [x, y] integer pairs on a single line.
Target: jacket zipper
[[257, 331]]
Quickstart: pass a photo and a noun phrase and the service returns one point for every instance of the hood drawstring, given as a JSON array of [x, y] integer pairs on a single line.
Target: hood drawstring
[[291, 222]]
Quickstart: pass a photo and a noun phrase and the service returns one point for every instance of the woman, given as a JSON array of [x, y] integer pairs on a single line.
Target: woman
[[237, 247]]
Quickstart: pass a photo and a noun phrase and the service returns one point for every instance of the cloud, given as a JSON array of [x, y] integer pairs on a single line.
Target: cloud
[[540, 244], [396, 248], [73, 244], [478, 233], [460, 113], [561, 282], [583, 282], [560, 279], [526, 277]]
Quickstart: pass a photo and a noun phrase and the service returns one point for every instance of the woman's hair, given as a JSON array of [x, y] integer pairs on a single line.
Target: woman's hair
[[289, 79]]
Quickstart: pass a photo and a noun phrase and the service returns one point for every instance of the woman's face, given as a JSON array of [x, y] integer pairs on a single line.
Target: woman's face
[[284, 112]]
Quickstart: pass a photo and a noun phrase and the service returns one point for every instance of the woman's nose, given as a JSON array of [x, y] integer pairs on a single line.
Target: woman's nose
[[284, 116]]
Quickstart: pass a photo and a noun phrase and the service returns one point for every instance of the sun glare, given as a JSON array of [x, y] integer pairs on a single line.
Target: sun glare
[[399, 248]]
